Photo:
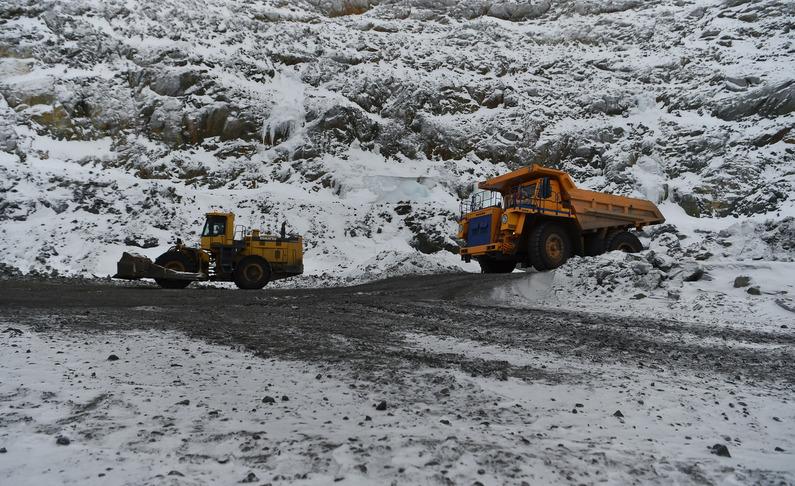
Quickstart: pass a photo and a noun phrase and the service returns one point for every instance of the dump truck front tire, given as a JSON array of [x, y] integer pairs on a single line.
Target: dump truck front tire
[[174, 260], [550, 246], [489, 265], [252, 273], [623, 241]]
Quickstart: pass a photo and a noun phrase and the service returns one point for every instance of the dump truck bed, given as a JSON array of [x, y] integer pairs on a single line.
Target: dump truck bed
[[593, 210], [596, 210]]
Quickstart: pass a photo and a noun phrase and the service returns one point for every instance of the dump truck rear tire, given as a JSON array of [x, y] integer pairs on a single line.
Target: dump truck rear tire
[[488, 265], [550, 246], [252, 273], [175, 261], [623, 241]]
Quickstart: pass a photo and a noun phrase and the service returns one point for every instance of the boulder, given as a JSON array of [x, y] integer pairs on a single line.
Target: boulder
[[742, 281], [640, 268], [340, 8], [692, 272], [345, 124], [515, 11], [650, 281], [165, 121], [175, 83], [767, 101]]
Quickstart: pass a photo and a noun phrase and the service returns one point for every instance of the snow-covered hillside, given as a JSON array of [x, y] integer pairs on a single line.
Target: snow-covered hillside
[[362, 122]]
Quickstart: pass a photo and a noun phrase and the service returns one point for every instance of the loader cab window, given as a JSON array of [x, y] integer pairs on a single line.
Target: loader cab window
[[215, 226]]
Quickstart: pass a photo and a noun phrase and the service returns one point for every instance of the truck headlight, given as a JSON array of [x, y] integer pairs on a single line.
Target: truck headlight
[[504, 218]]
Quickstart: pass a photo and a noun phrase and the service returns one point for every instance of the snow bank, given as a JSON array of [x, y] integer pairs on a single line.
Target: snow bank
[[172, 410]]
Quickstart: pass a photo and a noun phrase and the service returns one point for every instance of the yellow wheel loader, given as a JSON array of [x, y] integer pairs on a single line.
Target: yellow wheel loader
[[537, 216], [227, 254]]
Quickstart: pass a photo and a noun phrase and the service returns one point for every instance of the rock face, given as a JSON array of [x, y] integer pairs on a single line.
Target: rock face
[[333, 113]]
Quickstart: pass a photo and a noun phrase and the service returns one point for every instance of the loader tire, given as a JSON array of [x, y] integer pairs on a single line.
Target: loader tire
[[623, 241], [175, 261], [252, 273], [489, 265], [549, 246]]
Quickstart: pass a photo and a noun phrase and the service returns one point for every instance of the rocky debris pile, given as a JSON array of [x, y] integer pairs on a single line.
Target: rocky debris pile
[[769, 240], [396, 263], [706, 276], [8, 271], [675, 258], [638, 275]]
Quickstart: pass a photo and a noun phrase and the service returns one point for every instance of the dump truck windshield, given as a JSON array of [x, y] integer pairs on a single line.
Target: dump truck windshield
[[215, 226], [522, 196]]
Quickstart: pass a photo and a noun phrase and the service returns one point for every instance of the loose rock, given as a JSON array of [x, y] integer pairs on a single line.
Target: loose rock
[[742, 281], [720, 450], [692, 272], [250, 478]]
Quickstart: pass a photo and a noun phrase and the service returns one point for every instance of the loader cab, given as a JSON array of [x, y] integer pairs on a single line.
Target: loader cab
[[218, 230]]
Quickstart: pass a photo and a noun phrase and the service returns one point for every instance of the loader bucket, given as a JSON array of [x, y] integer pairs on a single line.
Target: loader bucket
[[133, 267]]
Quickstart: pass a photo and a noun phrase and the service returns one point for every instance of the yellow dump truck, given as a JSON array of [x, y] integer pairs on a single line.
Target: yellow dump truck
[[227, 253], [537, 216]]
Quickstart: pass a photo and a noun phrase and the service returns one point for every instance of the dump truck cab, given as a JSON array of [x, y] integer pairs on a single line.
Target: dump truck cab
[[537, 216]]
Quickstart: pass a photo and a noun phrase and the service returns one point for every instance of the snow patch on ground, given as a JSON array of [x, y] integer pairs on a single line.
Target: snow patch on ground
[[173, 410], [610, 284]]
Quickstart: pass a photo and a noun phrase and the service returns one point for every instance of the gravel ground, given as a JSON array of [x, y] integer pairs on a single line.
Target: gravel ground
[[474, 392]]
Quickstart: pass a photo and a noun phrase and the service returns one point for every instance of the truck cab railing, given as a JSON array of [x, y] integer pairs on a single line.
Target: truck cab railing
[[480, 200], [523, 199]]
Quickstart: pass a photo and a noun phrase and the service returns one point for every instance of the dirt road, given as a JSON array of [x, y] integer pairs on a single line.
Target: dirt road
[[368, 324], [476, 392]]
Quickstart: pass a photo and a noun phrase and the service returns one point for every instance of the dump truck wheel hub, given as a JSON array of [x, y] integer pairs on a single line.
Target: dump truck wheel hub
[[626, 248], [253, 272], [554, 247]]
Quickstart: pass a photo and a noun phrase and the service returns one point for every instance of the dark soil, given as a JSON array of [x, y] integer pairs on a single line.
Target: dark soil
[[366, 326]]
